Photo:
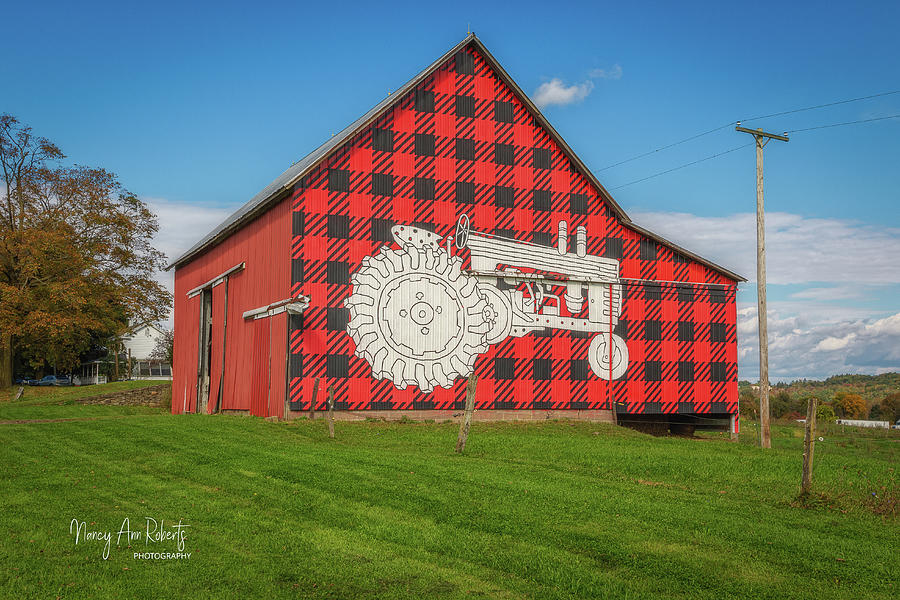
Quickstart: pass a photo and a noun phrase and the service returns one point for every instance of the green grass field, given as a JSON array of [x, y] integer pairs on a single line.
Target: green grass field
[[549, 510], [62, 402]]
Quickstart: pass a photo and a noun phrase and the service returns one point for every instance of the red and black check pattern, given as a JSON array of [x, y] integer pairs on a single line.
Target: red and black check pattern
[[462, 142]]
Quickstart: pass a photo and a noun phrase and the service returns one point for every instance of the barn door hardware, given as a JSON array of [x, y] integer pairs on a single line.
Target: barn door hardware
[[294, 306], [418, 319], [220, 278]]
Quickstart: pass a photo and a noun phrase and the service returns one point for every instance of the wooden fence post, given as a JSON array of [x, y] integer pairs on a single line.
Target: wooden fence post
[[331, 411], [467, 418], [809, 445], [312, 401]]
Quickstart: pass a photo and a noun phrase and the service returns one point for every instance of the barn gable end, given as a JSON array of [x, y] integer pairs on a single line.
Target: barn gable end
[[461, 140]]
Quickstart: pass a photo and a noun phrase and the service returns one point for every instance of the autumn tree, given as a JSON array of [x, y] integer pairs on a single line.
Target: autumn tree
[[76, 254], [851, 406]]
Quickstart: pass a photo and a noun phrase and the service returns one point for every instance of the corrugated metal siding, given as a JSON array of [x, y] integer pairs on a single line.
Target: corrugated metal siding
[[264, 247], [511, 373], [187, 331], [278, 366]]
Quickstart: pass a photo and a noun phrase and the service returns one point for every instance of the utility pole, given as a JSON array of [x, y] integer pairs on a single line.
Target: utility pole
[[762, 138]]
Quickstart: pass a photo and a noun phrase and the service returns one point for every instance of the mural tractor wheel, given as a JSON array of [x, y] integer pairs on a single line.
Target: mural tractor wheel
[[608, 356], [415, 318]]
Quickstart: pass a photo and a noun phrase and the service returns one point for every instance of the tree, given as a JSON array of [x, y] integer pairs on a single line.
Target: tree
[[748, 403], [165, 347], [851, 406], [76, 254], [890, 407], [824, 414], [784, 403], [875, 412]]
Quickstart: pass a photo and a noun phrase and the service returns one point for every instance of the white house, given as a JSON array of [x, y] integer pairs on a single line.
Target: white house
[[140, 342]]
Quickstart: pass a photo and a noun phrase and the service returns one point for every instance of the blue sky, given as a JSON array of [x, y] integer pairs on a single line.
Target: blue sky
[[196, 107]]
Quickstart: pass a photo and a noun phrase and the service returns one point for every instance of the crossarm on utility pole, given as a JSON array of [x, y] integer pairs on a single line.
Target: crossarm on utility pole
[[760, 132]]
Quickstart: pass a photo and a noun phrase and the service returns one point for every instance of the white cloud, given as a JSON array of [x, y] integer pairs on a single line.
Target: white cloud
[[833, 343], [808, 346], [866, 333], [181, 225], [557, 92], [798, 249], [614, 72]]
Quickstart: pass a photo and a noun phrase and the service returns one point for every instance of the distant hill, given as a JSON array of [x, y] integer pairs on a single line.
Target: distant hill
[[873, 388]]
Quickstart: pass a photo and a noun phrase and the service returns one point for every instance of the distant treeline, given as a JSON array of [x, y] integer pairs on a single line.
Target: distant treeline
[[851, 396]]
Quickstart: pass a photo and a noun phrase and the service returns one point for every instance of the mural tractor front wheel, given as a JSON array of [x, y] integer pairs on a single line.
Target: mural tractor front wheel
[[415, 318]]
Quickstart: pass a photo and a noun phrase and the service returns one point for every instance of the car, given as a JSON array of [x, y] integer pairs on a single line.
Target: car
[[49, 380]]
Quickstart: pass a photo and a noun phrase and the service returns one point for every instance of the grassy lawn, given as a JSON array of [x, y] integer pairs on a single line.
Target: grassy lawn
[[549, 510], [62, 402]]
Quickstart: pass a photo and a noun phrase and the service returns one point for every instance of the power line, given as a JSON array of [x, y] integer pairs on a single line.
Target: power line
[[786, 112], [796, 110], [745, 145], [682, 166], [845, 123], [693, 137]]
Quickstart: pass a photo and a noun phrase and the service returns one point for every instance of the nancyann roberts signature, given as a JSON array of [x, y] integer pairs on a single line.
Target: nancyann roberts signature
[[154, 532]]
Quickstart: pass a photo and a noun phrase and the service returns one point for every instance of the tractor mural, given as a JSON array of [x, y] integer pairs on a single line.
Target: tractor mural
[[418, 318]]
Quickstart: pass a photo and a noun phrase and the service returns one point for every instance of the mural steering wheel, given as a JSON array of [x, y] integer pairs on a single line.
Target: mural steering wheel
[[462, 231]]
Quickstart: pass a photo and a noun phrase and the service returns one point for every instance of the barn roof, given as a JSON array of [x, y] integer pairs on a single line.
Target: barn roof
[[284, 183]]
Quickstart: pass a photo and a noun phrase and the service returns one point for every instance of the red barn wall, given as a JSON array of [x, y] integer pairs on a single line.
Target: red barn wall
[[340, 217], [263, 245]]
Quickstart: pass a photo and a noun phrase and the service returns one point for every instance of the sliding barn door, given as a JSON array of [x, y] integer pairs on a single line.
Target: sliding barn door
[[204, 352], [259, 368]]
